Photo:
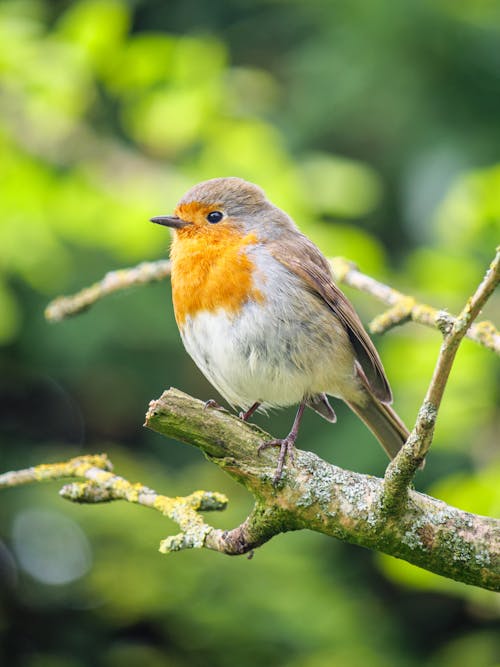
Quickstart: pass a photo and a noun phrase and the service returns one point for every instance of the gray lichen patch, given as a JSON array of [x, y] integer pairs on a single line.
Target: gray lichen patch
[[320, 486], [338, 492], [428, 414], [412, 536], [458, 547]]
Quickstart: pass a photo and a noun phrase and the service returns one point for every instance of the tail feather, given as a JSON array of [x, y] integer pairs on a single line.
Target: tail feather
[[320, 404], [384, 423]]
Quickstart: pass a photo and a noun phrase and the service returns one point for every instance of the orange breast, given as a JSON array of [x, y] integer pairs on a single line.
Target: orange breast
[[212, 271]]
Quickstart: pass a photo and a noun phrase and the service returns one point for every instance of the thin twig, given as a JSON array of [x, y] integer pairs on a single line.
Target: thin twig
[[102, 485], [402, 469], [146, 272]]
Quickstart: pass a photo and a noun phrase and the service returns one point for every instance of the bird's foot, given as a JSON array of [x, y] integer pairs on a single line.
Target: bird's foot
[[212, 404], [287, 450], [286, 445]]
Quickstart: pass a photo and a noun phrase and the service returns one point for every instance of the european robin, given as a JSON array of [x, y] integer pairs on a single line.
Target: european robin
[[261, 316]]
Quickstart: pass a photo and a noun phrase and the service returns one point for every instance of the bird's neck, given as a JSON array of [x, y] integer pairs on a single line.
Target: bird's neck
[[212, 274]]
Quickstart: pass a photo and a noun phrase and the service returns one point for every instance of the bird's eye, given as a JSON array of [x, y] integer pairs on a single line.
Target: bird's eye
[[215, 216]]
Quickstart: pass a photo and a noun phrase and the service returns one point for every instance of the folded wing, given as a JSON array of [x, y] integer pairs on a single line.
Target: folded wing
[[307, 262]]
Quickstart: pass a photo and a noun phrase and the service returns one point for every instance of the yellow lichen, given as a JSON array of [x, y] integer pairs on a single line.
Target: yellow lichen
[[340, 267], [396, 315]]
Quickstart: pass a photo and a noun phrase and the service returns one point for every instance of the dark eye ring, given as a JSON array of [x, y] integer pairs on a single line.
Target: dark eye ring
[[215, 216]]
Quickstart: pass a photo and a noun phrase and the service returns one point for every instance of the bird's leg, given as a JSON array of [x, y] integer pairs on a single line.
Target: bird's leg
[[245, 416], [286, 445]]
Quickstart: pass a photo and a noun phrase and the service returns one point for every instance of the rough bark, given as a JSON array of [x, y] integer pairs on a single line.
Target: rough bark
[[319, 496]]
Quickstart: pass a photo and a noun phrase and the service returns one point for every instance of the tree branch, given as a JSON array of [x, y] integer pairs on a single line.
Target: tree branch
[[403, 307], [322, 497], [312, 494], [402, 469]]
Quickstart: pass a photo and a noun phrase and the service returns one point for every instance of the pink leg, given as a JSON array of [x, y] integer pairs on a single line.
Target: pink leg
[[286, 445], [245, 416]]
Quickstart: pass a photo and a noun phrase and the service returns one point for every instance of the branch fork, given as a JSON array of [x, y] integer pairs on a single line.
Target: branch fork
[[102, 485], [402, 469]]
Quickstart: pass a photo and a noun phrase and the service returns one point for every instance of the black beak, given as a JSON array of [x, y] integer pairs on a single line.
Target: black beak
[[170, 221]]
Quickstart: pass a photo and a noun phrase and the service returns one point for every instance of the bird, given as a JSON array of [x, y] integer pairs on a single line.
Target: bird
[[261, 316]]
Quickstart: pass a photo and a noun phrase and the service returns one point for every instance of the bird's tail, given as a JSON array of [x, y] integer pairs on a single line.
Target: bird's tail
[[383, 422]]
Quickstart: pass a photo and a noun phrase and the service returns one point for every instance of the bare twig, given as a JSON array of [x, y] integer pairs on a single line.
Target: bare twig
[[146, 272], [402, 469]]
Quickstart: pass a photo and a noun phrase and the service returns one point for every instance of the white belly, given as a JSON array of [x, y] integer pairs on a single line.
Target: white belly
[[243, 369], [274, 353]]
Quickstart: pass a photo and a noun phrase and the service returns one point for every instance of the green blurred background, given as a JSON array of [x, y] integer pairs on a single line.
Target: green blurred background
[[377, 126]]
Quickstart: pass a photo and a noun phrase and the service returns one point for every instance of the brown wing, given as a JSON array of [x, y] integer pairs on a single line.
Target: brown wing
[[303, 258]]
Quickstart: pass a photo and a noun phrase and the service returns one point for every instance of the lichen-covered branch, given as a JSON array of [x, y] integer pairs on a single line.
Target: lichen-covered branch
[[322, 497], [79, 466], [402, 469], [102, 485], [312, 494], [403, 307]]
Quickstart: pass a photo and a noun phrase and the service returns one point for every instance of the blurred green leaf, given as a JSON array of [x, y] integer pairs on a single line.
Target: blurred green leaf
[[468, 219], [143, 61], [96, 27], [341, 187], [10, 319], [410, 364]]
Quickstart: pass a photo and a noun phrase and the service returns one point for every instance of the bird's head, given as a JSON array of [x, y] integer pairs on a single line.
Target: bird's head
[[225, 205]]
